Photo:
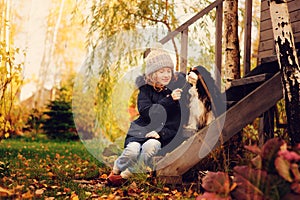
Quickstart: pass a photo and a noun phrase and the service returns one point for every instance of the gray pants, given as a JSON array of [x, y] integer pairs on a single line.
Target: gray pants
[[135, 153]]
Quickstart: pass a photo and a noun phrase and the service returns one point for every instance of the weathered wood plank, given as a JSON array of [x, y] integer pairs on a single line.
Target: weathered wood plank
[[269, 44], [191, 151], [268, 34], [293, 5], [267, 48], [250, 80], [267, 53], [289, 65], [265, 5], [266, 45], [268, 59], [294, 16]]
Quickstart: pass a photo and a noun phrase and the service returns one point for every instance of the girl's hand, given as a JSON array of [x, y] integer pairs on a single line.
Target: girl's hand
[[192, 78], [176, 94], [152, 134]]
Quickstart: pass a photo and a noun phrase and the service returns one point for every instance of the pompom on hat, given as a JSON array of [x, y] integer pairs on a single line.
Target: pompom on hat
[[157, 59]]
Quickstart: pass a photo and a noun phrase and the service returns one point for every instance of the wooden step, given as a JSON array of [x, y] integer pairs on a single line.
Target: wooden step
[[250, 80], [242, 87]]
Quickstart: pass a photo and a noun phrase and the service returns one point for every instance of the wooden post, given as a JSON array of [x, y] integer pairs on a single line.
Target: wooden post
[[266, 126], [288, 63], [247, 36], [218, 44], [184, 50]]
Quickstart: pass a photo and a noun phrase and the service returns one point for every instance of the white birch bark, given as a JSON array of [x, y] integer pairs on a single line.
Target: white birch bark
[[288, 63], [232, 52]]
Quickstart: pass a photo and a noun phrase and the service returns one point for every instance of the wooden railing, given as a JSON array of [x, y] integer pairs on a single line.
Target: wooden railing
[[183, 30]]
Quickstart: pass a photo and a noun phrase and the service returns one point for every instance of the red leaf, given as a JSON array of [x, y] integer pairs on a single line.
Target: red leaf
[[217, 182], [283, 168]]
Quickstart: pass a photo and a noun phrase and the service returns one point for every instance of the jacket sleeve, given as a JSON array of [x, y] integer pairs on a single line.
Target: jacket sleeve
[[166, 134], [157, 109]]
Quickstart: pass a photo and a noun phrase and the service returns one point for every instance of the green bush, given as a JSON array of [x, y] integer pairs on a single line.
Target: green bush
[[58, 122]]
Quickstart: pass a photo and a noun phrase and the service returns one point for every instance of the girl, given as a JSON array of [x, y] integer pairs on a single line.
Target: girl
[[159, 118]]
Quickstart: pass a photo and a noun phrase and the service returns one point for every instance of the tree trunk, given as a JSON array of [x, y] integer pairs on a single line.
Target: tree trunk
[[232, 52], [289, 65], [47, 60]]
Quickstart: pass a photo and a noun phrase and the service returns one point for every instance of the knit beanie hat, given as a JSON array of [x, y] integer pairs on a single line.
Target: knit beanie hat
[[158, 59]]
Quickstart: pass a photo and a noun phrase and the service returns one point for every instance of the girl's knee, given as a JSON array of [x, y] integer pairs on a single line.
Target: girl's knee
[[151, 146], [133, 149]]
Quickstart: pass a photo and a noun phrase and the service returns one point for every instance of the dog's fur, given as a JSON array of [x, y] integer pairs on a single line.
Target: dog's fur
[[199, 104]]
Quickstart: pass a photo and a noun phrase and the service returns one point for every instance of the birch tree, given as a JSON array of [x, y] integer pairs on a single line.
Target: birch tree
[[64, 45], [289, 65], [232, 52]]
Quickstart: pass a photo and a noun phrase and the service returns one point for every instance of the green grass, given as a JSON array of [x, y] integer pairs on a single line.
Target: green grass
[[45, 169], [50, 166]]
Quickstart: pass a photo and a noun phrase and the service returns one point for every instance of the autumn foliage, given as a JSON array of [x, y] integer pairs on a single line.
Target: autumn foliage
[[272, 174]]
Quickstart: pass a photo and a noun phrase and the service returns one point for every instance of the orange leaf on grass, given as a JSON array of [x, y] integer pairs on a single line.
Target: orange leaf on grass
[[5, 192]]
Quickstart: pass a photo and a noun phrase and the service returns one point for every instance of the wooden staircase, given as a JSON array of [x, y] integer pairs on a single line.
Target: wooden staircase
[[174, 164], [247, 99]]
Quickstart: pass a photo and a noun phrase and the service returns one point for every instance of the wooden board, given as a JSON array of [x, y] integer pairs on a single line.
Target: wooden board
[[266, 44], [268, 34], [191, 151], [265, 4], [250, 80], [293, 5]]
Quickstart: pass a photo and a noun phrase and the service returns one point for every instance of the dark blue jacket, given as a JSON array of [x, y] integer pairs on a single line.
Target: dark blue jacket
[[159, 112]]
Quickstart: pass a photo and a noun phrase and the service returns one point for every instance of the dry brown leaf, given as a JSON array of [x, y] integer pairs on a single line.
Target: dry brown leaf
[[5, 192], [39, 192], [50, 174], [27, 195]]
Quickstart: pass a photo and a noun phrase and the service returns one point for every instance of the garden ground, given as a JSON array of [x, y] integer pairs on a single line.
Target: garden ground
[[45, 169]]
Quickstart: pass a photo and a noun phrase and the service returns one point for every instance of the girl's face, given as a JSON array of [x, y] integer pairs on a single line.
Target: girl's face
[[164, 76]]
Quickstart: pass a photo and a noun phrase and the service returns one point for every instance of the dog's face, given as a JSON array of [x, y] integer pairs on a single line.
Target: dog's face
[[192, 78]]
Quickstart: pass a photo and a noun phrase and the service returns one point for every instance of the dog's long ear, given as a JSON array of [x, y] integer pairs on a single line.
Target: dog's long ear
[[195, 70]]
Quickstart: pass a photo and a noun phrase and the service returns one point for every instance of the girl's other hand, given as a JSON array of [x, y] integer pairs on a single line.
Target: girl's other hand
[[152, 134]]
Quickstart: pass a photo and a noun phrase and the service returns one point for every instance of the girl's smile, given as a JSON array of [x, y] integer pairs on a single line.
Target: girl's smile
[[164, 76]]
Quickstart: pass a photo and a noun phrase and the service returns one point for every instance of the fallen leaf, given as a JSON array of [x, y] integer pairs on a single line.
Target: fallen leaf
[[74, 196], [49, 198], [39, 192], [88, 193], [50, 174], [27, 195], [103, 176], [5, 192]]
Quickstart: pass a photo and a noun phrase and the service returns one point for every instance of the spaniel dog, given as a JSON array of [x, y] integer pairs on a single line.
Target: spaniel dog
[[200, 105]]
